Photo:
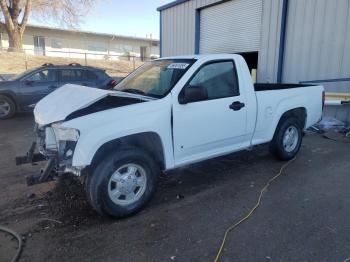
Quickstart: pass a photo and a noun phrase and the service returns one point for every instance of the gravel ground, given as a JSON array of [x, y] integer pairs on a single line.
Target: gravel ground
[[304, 215]]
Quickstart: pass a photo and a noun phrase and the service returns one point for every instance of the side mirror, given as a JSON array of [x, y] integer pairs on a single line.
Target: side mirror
[[193, 94]]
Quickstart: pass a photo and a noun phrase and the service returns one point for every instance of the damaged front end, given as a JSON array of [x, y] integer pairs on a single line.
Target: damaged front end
[[55, 144]]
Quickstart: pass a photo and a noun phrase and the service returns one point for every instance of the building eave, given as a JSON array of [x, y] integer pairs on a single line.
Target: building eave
[[171, 4]]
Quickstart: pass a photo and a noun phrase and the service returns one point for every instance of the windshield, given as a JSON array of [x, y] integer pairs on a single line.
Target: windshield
[[155, 78], [16, 77]]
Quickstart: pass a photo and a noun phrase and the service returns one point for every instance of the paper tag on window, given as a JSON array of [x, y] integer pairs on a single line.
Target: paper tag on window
[[178, 66]]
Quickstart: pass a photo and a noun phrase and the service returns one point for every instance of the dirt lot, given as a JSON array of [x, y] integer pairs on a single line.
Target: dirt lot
[[304, 215]]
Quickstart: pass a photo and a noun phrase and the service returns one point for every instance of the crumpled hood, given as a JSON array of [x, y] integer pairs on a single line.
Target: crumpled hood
[[70, 98]]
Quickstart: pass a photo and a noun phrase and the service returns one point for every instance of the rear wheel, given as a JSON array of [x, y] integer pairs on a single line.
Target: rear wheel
[[7, 107], [123, 183], [287, 139]]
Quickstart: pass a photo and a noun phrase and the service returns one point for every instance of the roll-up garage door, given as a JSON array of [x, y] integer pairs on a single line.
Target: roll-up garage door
[[231, 27]]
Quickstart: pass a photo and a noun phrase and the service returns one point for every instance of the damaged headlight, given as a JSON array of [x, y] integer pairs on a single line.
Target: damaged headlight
[[61, 139], [65, 134], [50, 139]]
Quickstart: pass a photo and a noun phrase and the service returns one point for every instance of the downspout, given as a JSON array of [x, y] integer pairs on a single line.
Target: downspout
[[282, 40], [197, 31], [160, 33]]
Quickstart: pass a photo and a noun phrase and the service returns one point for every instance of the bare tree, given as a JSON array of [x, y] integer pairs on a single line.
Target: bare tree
[[15, 14]]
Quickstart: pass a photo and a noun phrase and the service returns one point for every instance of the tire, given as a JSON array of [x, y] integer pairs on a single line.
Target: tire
[[115, 189], [7, 107], [287, 139]]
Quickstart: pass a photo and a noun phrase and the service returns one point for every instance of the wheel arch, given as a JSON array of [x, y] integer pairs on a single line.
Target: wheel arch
[[300, 113], [148, 141]]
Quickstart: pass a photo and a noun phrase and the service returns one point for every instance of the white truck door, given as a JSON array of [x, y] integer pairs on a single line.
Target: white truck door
[[212, 126]]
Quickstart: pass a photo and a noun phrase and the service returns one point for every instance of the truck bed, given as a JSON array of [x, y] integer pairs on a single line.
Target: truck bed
[[265, 87]]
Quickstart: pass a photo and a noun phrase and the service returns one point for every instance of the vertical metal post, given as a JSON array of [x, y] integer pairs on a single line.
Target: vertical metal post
[[85, 55], [160, 34], [133, 61], [197, 31], [25, 60], [282, 41]]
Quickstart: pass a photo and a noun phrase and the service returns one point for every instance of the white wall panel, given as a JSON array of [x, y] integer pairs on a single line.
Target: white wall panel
[[178, 27], [318, 42]]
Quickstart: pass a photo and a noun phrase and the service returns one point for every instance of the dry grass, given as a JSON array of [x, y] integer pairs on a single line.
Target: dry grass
[[14, 63]]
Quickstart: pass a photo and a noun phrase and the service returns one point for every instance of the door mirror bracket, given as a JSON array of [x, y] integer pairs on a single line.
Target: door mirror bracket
[[193, 94]]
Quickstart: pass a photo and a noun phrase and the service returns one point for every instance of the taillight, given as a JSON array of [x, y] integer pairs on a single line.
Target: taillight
[[323, 99]]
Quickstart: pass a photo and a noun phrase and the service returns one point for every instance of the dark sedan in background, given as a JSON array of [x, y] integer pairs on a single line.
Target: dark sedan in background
[[22, 92]]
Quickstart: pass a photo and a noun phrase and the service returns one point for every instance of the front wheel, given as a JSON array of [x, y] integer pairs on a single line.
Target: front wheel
[[123, 183], [287, 139]]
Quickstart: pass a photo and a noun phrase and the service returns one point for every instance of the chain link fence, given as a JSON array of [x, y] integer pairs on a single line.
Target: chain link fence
[[115, 65]]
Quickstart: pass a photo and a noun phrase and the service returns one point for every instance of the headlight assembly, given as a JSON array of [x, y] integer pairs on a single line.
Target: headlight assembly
[[50, 139], [65, 134], [61, 139]]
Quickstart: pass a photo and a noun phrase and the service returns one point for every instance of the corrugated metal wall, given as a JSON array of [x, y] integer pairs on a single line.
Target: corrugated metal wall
[[318, 46], [178, 27], [178, 33], [270, 41], [317, 38]]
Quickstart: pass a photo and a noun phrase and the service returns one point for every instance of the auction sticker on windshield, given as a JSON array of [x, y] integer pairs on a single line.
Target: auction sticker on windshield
[[178, 66]]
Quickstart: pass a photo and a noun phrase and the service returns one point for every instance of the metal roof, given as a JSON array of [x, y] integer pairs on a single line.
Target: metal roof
[[92, 33], [171, 4]]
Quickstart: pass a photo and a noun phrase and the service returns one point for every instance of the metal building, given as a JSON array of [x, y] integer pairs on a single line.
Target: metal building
[[286, 40]]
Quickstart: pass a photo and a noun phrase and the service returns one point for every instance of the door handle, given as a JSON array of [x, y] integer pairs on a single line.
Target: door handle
[[235, 106], [52, 87]]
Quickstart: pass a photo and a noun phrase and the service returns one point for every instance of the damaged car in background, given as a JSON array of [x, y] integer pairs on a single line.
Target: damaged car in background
[[169, 113]]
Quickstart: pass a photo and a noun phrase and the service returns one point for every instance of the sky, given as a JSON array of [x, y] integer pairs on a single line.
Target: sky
[[122, 17]]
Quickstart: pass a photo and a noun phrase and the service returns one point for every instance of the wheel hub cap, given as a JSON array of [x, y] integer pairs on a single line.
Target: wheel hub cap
[[290, 138], [4, 108], [127, 184]]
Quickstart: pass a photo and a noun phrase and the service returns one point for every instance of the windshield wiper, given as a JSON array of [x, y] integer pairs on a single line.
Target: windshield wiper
[[134, 91]]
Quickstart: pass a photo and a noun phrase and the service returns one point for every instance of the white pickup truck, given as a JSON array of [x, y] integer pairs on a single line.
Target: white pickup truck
[[168, 113]]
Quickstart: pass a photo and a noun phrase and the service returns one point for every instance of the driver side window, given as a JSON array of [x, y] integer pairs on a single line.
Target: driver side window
[[43, 76], [218, 78]]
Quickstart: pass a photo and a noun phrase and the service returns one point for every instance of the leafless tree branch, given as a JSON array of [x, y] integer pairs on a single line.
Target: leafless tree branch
[[15, 14]]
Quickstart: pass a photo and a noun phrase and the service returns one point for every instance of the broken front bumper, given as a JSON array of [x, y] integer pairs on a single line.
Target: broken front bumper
[[57, 153], [48, 173]]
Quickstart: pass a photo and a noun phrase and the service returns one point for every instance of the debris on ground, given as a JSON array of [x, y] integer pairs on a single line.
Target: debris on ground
[[31, 195], [330, 123], [336, 136], [179, 196]]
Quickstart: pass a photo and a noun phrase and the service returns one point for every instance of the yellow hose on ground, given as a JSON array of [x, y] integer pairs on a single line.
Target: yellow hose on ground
[[228, 230]]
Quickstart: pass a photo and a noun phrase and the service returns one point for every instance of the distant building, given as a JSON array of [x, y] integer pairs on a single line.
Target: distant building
[[48, 41]]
